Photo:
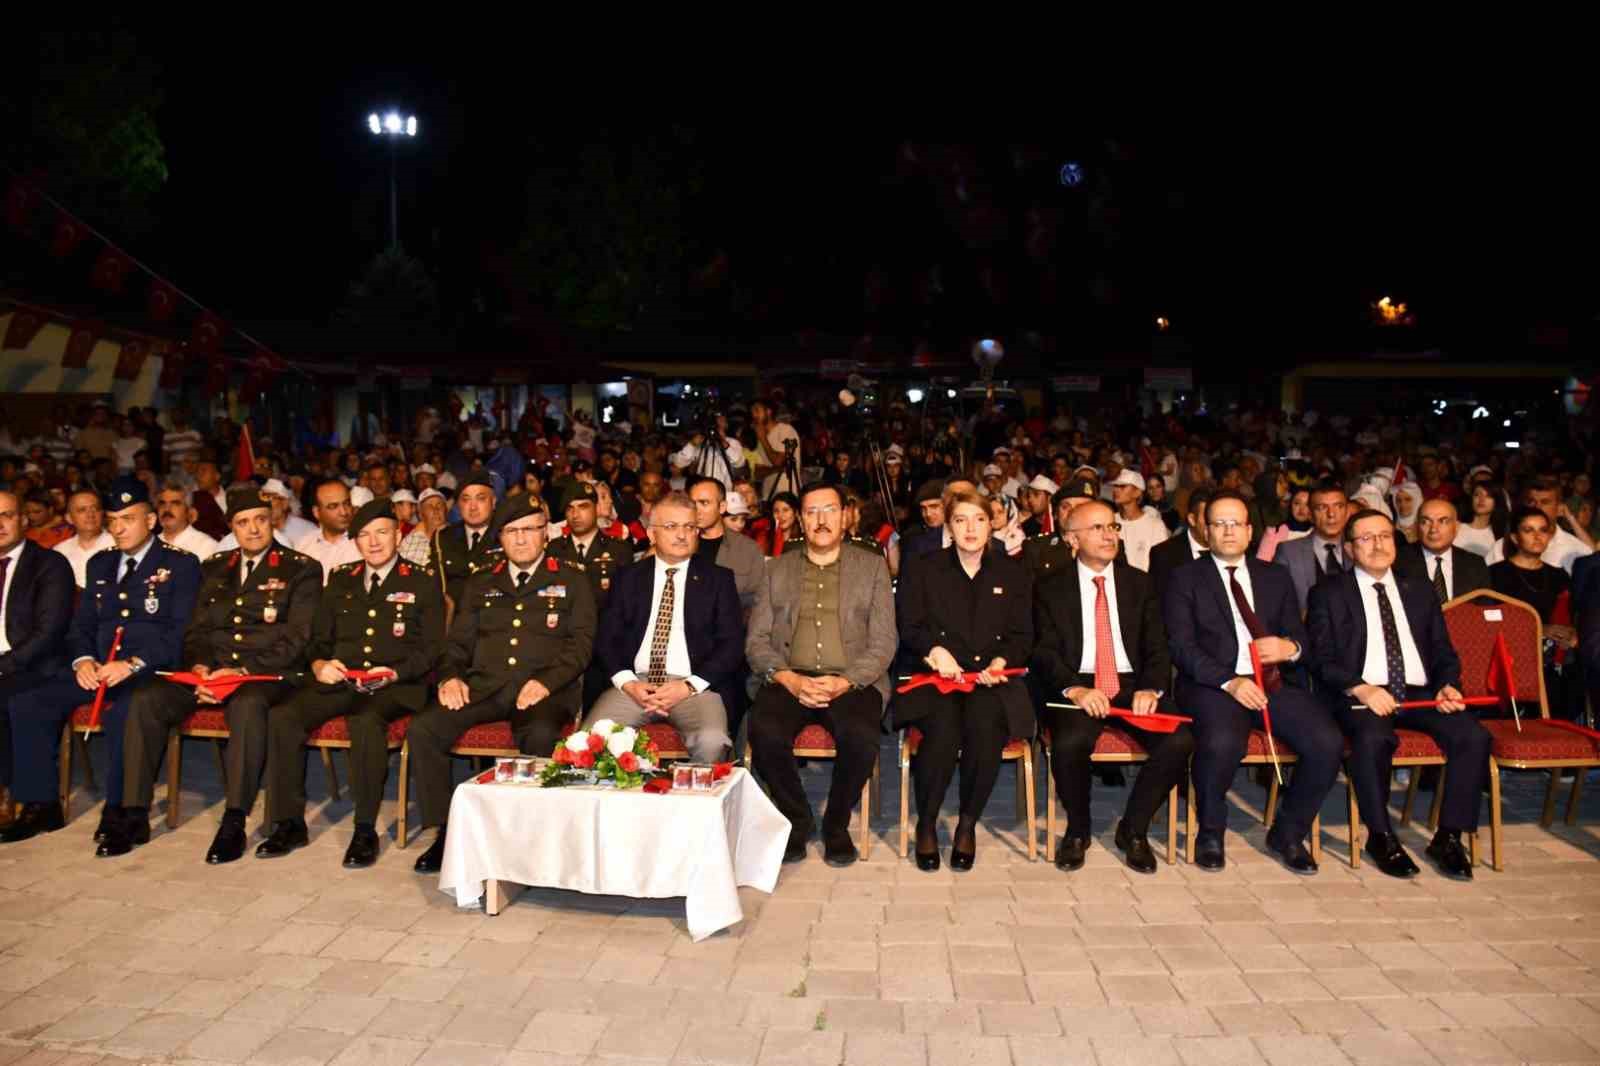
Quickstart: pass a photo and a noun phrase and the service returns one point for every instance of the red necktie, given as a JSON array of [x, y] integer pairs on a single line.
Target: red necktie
[[1271, 677], [1105, 648]]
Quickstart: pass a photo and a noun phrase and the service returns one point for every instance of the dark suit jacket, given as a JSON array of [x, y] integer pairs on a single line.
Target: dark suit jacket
[[1058, 628], [168, 580], [1199, 617], [1585, 583], [1468, 571], [937, 610], [37, 609], [1167, 557], [208, 517], [1338, 627], [713, 622]]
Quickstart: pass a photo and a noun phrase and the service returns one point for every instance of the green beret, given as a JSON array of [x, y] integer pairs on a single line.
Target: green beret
[[246, 499], [373, 509], [477, 477]]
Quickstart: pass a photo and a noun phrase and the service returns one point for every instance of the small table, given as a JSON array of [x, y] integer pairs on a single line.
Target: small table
[[616, 842]]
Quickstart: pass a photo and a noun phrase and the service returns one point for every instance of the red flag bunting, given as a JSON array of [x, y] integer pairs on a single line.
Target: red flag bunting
[[171, 368], [68, 235], [110, 270], [20, 199], [245, 461], [80, 344], [131, 359], [25, 325], [207, 336], [163, 300]]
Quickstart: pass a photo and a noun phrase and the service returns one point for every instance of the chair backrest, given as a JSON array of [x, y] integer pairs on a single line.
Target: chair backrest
[[1474, 620]]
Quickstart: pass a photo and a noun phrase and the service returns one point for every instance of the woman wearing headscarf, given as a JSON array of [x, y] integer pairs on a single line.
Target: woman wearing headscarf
[[1007, 530], [1407, 505]]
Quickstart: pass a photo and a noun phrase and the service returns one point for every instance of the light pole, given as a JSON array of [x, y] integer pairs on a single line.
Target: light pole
[[392, 126]]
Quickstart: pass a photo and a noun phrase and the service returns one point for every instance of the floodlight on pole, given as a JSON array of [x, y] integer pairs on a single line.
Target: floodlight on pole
[[392, 126]]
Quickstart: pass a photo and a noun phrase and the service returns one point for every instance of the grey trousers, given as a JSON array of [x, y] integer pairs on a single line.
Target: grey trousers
[[702, 720]]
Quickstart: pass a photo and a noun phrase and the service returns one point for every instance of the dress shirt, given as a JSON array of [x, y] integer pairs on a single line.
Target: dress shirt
[[330, 554], [79, 556], [1195, 547], [1563, 550], [678, 664], [192, 540], [1376, 670], [1241, 632], [15, 555], [1431, 560], [381, 571], [583, 543], [245, 567], [1086, 598], [1319, 553]]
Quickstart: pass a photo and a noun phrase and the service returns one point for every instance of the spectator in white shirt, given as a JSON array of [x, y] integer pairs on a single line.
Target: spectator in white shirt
[[176, 518], [331, 545], [182, 442], [1564, 548], [83, 511], [1142, 527]]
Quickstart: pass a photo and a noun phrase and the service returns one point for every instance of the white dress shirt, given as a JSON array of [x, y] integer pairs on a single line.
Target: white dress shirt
[[1376, 670], [249, 564], [15, 555], [1563, 550], [1086, 600], [1431, 559], [1195, 547], [329, 553], [677, 647], [1241, 632], [78, 555], [192, 540]]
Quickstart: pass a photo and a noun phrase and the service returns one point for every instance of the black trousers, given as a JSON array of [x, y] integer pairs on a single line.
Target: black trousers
[[11, 686], [368, 717], [776, 717], [434, 732], [1221, 734], [1073, 735], [968, 728], [156, 709], [1464, 742]]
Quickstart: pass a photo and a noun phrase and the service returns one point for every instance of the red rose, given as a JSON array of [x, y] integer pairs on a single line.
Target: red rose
[[563, 757], [597, 743], [585, 760], [658, 784], [628, 761], [721, 770]]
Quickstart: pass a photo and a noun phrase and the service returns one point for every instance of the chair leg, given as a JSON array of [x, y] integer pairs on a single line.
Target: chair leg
[[1049, 806], [1191, 827], [864, 845], [1316, 839], [1494, 815], [1021, 813], [877, 788], [401, 790], [1355, 823], [1410, 800], [1272, 802], [1548, 814], [174, 778], [1025, 769], [1577, 793], [333, 774], [905, 795], [82, 743], [1438, 799], [1472, 848], [64, 774], [1172, 825]]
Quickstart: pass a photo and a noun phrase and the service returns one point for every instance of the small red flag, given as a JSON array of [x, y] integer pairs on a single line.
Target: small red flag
[[20, 198], [163, 300], [245, 462], [80, 344], [207, 336], [24, 326], [1502, 678], [68, 235], [110, 270], [131, 359]]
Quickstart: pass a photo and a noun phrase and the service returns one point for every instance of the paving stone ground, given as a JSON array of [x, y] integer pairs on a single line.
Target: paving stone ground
[[158, 958]]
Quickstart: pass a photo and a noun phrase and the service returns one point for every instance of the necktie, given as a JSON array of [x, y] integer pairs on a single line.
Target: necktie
[[1438, 579], [1271, 677], [372, 590], [1333, 566], [249, 568], [522, 579], [581, 550], [128, 573], [472, 542], [663, 632], [1391, 645], [1105, 648]]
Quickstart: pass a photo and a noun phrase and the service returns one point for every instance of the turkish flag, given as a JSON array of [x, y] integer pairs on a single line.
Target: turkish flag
[[207, 335], [68, 235], [80, 344], [25, 325], [1502, 680], [131, 359], [20, 199], [245, 461], [110, 270], [171, 368], [163, 300]]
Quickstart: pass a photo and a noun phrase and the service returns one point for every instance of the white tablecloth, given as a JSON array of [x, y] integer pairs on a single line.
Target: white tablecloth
[[699, 845]]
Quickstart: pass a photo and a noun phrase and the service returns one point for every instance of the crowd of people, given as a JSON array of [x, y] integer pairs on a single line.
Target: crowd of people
[[769, 566]]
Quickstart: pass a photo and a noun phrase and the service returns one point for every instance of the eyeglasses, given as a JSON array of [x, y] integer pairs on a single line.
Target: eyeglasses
[[524, 531], [1367, 540], [820, 512], [1099, 529], [1228, 525], [675, 527]]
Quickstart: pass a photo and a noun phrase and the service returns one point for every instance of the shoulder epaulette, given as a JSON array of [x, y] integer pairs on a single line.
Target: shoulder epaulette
[[217, 556], [173, 547], [346, 568]]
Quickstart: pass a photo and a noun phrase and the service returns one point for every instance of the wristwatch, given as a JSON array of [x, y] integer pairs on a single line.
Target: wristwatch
[[766, 678], [137, 663]]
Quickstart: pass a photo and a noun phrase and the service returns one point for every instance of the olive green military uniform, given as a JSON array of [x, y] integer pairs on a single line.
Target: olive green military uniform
[[507, 632], [252, 615], [604, 557], [449, 554], [399, 625], [866, 544], [1046, 554]]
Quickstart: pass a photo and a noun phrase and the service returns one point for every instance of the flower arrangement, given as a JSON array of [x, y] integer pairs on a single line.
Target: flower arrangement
[[605, 751]]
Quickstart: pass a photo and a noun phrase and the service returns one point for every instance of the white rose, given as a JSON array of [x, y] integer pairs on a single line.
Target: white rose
[[578, 742], [604, 727], [621, 740]]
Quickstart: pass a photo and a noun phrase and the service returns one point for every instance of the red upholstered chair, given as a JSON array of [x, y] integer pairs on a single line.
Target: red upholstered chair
[[1018, 750], [815, 742], [1114, 746], [208, 723], [1256, 753], [1474, 621], [669, 742]]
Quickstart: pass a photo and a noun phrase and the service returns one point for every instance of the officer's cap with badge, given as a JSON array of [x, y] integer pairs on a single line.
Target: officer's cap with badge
[[583, 492], [477, 477], [124, 492], [247, 499], [1076, 489], [515, 508], [371, 511]]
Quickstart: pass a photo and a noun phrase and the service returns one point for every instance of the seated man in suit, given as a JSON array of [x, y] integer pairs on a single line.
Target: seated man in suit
[[35, 606], [1377, 641], [671, 638], [836, 676], [1450, 570], [1101, 642], [1176, 550], [1319, 556], [1215, 609]]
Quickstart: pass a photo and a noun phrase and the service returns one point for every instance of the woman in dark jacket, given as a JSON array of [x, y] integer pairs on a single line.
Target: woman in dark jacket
[[966, 609]]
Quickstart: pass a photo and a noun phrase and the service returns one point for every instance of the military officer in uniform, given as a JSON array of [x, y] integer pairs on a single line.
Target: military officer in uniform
[[521, 640], [1049, 553], [382, 617], [601, 556], [460, 551], [254, 617], [146, 588]]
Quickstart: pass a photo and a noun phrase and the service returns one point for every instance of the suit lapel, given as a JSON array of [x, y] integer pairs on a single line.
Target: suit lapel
[[1224, 598], [1127, 616], [1073, 608], [1358, 613]]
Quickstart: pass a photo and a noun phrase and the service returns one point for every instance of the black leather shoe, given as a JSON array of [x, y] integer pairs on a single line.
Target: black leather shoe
[[1293, 854], [1136, 848], [1208, 854], [430, 861], [35, 818], [109, 817], [796, 849], [284, 838], [1448, 854], [927, 848], [228, 844], [1389, 856], [363, 849], [1071, 852], [123, 835], [837, 848]]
